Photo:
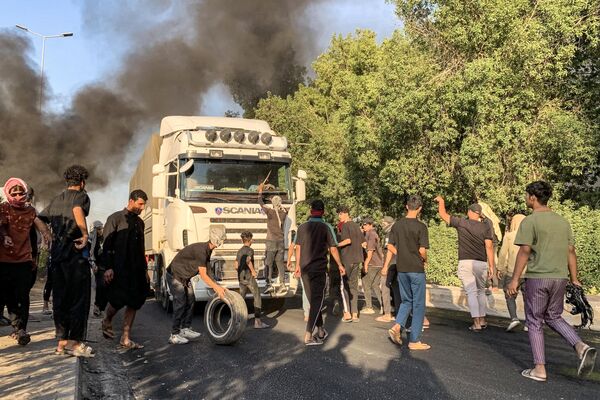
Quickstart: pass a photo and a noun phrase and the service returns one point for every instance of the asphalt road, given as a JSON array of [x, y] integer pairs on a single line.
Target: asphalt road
[[356, 362]]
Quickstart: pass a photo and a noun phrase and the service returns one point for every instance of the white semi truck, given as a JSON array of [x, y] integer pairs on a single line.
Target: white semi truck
[[204, 171]]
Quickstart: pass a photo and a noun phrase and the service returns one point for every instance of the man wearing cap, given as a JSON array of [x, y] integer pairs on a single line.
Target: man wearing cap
[[274, 246], [314, 240], [372, 267], [475, 247], [192, 260]]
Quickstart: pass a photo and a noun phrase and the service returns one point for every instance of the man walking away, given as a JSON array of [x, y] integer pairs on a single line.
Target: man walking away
[[274, 246], [314, 240], [372, 267], [124, 262], [506, 266], [548, 250], [244, 265], [71, 270], [192, 260], [351, 251], [409, 240], [389, 281], [475, 246]]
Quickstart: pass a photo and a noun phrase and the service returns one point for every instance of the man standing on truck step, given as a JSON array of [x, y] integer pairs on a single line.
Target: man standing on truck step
[[192, 260], [274, 247], [124, 262], [314, 240]]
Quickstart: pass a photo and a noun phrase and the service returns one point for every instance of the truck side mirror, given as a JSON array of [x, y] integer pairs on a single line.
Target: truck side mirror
[[158, 169], [159, 187], [300, 190]]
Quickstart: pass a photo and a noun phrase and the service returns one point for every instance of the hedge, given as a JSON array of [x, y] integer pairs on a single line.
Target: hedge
[[585, 222]]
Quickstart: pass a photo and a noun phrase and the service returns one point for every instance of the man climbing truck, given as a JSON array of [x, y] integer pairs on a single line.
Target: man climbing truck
[[207, 171]]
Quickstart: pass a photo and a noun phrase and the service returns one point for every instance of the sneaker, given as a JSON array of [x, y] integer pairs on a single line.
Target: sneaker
[[189, 333], [269, 289], [513, 324], [97, 312], [177, 339], [367, 310], [23, 337]]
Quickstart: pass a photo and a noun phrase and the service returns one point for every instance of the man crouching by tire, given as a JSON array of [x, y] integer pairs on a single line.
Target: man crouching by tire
[[314, 239], [191, 260]]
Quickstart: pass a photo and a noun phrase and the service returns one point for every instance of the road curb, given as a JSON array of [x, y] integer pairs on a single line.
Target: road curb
[[454, 298]]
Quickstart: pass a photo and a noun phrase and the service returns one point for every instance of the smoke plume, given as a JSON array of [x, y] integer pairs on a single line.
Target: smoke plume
[[252, 46]]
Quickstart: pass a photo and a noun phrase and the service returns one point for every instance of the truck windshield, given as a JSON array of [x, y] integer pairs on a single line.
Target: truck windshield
[[234, 180]]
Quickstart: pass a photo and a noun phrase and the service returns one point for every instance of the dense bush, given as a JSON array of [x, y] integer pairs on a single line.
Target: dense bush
[[443, 252]]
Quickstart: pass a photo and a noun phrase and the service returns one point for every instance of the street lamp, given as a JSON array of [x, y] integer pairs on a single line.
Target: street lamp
[[44, 37]]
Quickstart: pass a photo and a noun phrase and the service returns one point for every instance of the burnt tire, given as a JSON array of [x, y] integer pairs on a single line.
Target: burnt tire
[[225, 320]]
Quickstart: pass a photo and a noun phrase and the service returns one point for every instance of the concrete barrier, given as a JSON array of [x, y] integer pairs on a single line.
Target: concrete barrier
[[455, 298]]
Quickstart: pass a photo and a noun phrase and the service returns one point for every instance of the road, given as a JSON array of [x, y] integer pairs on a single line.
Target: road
[[356, 362]]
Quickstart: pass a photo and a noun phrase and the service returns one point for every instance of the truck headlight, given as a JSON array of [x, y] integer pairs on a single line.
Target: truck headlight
[[225, 135], [266, 138]]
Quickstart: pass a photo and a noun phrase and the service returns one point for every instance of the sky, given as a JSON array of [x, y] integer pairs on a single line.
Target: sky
[[91, 55]]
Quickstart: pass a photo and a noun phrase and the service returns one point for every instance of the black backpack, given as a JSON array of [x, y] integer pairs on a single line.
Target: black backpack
[[580, 305]]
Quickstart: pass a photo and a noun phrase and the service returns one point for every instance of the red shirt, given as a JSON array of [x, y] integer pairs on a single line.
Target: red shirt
[[17, 223]]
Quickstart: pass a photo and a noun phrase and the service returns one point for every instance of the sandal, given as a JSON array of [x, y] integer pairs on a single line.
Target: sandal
[[588, 359], [60, 352], [528, 373], [473, 329], [418, 346], [346, 320], [314, 342], [82, 350], [395, 337], [107, 330], [131, 345], [322, 338]]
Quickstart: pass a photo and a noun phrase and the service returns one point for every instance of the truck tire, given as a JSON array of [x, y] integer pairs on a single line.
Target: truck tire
[[225, 320]]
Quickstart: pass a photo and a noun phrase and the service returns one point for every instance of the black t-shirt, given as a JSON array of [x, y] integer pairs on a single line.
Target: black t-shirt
[[471, 238], [59, 214], [352, 253], [185, 264], [315, 238], [407, 236], [245, 254]]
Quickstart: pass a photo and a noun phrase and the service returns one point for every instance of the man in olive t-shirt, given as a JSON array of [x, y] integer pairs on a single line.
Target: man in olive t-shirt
[[547, 248]]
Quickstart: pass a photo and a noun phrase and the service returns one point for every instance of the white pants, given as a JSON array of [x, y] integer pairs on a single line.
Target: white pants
[[473, 274]]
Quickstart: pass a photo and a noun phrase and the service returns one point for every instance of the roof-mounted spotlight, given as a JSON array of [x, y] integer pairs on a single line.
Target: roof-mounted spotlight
[[239, 136], [253, 137], [211, 135], [266, 138], [225, 135]]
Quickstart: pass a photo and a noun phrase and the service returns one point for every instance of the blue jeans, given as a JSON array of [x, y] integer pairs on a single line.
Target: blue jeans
[[412, 291]]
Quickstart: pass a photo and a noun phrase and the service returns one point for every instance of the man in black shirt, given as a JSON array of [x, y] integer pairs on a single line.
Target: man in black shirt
[[124, 261], [351, 250], [192, 260], [244, 265], [314, 240], [71, 272], [409, 241], [475, 247]]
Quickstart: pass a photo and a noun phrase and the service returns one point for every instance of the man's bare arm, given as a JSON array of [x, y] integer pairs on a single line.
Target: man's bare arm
[[345, 242], [520, 264], [423, 254], [442, 209], [81, 224], [336, 256], [572, 260], [491, 257], [220, 290]]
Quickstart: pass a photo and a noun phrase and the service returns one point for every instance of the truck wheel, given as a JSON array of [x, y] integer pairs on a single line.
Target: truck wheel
[[165, 301], [225, 320]]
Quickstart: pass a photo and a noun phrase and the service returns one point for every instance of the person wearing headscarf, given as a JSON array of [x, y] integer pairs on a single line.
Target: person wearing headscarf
[[506, 266], [274, 246], [17, 217]]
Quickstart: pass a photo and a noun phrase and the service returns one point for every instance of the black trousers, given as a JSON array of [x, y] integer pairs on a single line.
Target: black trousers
[[315, 283], [71, 285], [101, 298], [248, 284], [15, 279], [48, 284], [392, 283]]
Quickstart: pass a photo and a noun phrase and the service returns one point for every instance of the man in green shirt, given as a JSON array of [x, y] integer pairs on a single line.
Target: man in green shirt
[[547, 249]]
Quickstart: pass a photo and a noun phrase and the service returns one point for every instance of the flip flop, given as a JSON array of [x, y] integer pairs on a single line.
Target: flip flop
[[346, 320], [107, 330], [395, 337], [81, 351], [314, 342], [588, 359], [418, 346], [473, 329], [528, 373], [130, 346], [384, 319], [322, 338]]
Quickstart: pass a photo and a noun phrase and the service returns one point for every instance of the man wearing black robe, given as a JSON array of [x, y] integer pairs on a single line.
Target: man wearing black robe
[[125, 266]]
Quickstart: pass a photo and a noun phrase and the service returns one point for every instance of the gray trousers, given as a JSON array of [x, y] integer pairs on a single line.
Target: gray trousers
[[386, 297], [349, 288], [371, 285], [183, 303], [511, 302]]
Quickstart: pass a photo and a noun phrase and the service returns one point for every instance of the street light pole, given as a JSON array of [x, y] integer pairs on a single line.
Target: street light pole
[[44, 37]]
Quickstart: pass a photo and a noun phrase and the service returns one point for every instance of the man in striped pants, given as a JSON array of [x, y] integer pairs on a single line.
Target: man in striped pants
[[547, 248]]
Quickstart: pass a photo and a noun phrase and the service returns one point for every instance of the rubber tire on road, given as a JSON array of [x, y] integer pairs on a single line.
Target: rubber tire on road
[[232, 332]]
